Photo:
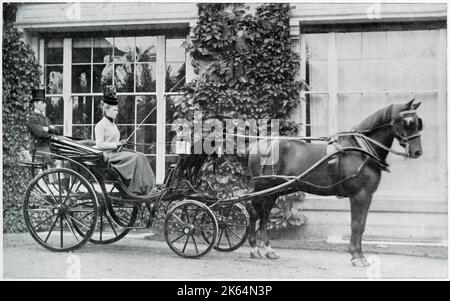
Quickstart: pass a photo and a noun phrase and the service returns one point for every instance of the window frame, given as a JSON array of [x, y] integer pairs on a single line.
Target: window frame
[[159, 93]]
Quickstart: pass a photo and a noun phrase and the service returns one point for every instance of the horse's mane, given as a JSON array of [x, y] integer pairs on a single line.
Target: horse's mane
[[378, 118]]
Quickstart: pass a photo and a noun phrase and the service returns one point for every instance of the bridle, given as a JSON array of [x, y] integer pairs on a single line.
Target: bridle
[[404, 140]]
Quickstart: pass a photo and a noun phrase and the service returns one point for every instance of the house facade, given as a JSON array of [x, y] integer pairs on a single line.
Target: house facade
[[357, 58]]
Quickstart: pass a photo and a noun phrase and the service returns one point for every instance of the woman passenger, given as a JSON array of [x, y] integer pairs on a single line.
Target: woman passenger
[[132, 166]]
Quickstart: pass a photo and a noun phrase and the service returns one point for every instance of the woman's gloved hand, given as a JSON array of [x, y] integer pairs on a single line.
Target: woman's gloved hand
[[121, 144]]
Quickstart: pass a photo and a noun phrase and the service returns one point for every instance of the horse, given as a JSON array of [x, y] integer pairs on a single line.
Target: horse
[[351, 174]]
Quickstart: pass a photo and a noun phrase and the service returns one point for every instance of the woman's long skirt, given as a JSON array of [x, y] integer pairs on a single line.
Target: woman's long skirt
[[133, 167]]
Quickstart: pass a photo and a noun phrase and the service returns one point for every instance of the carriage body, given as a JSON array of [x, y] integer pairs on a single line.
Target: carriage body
[[78, 197]]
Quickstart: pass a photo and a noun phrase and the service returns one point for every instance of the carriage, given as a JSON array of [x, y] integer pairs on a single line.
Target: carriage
[[64, 207], [77, 197]]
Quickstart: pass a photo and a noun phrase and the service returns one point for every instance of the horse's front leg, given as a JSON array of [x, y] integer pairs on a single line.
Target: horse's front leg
[[254, 253], [359, 204]]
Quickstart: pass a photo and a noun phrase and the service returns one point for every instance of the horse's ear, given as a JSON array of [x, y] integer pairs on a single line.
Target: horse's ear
[[409, 104], [415, 106]]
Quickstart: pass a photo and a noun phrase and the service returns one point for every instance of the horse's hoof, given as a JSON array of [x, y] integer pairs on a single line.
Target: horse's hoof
[[360, 262], [272, 255], [256, 255]]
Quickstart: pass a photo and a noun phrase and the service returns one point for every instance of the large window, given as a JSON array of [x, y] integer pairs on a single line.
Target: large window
[[147, 71], [53, 76], [353, 74]]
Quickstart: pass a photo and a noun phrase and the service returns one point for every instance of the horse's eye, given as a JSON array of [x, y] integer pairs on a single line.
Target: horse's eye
[[408, 123], [419, 124]]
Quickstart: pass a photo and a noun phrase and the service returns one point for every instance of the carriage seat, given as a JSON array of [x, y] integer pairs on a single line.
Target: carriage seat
[[78, 150]]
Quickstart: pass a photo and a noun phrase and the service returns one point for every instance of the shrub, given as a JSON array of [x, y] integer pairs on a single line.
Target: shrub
[[247, 70], [20, 76]]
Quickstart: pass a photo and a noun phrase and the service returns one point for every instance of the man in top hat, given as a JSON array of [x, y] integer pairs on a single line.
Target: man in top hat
[[39, 125]]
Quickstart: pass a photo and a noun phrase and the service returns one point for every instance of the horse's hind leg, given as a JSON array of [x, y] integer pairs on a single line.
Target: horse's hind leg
[[266, 248], [359, 208]]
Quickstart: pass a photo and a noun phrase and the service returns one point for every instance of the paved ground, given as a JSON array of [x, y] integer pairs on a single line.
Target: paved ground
[[135, 257]]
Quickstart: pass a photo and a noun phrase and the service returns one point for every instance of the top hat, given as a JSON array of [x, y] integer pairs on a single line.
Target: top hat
[[109, 95], [37, 94]]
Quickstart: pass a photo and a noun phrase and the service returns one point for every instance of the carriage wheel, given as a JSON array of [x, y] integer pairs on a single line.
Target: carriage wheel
[[55, 201], [186, 226], [233, 221]]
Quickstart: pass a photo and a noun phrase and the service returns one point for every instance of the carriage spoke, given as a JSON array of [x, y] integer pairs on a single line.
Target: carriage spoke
[[50, 191], [51, 229], [59, 191], [185, 244], [71, 228], [220, 237], [195, 214], [34, 228], [240, 237], [39, 209], [236, 225], [123, 220], [101, 226], [70, 190], [228, 238], [203, 241], [48, 202], [62, 231], [183, 234], [111, 224], [187, 215], [195, 244], [78, 222], [181, 221]]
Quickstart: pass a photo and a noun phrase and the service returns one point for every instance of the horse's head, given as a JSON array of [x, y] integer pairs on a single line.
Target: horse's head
[[407, 126]]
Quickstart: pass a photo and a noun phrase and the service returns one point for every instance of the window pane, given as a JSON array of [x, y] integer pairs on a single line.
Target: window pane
[[124, 77], [103, 50], [54, 79], [318, 75], [82, 110], [375, 75], [170, 108], [146, 77], [55, 109], [125, 132], [175, 76], [82, 132], [102, 77], [126, 110], [81, 78], [146, 136], [145, 104], [374, 44], [124, 50], [318, 114], [98, 113], [175, 52], [426, 75], [53, 53], [348, 45], [351, 111], [146, 49], [316, 46], [349, 76], [81, 50]]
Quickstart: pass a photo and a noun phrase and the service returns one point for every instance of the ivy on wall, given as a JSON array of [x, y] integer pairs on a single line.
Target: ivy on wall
[[247, 70], [20, 76]]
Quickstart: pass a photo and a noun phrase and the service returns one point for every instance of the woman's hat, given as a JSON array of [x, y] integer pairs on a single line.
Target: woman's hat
[[37, 94], [109, 95]]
